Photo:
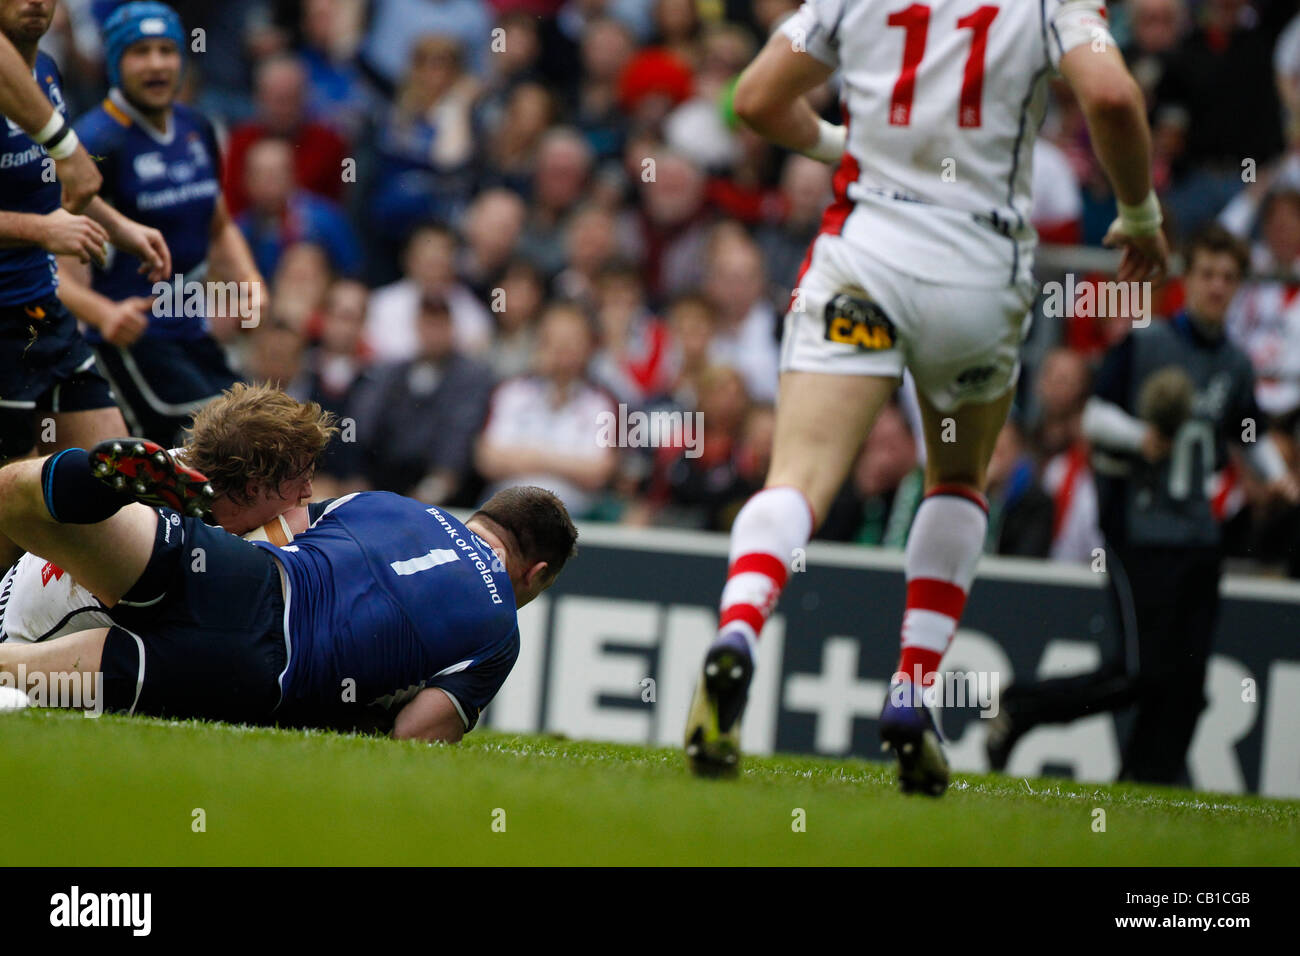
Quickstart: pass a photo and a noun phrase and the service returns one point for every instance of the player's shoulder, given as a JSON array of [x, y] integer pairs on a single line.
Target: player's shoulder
[[188, 120], [102, 128], [47, 69]]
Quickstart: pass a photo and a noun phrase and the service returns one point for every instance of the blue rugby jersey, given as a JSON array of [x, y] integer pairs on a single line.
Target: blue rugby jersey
[[170, 182], [27, 273], [394, 596]]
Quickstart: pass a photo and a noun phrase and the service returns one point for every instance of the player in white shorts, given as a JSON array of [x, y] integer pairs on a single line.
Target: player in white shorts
[[39, 601], [923, 263]]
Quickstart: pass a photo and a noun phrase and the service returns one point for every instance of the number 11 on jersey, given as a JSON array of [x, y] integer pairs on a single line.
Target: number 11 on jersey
[[915, 21]]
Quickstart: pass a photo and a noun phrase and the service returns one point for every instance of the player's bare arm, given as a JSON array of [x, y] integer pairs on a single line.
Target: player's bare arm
[[120, 323], [60, 232], [769, 97], [22, 101], [230, 259], [430, 716], [144, 242], [1115, 111]]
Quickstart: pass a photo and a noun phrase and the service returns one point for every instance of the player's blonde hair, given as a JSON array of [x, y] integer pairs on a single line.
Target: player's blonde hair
[[256, 435]]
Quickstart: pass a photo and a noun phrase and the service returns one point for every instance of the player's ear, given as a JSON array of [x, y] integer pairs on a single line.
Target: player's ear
[[537, 575]]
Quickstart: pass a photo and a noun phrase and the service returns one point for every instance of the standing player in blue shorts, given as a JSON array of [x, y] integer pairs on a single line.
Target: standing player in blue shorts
[[384, 613], [49, 389], [161, 166]]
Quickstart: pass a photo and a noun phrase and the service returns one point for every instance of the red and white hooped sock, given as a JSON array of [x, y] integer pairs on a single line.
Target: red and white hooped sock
[[768, 529], [943, 549]]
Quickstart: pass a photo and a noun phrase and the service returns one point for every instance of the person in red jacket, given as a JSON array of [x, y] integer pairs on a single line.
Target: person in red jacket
[[318, 151]]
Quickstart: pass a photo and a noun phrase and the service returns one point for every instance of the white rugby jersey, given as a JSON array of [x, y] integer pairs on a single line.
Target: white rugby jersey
[[943, 101], [39, 601]]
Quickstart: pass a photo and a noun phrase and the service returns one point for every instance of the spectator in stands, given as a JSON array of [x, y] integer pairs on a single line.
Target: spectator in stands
[[416, 420], [514, 62], [522, 294], [395, 25], [1264, 320], [279, 214], [805, 193], [690, 329], [1020, 512], [634, 360], [274, 355], [302, 276], [705, 486], [745, 337], [429, 272], [493, 224], [669, 230], [563, 171], [425, 147], [514, 143], [1222, 78], [317, 152], [332, 366], [543, 429], [607, 46], [1062, 389], [589, 246], [337, 95]]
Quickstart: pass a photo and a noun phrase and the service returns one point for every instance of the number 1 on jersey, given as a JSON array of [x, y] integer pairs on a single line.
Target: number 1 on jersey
[[915, 21]]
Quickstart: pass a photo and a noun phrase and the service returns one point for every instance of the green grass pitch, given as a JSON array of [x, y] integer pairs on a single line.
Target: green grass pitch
[[118, 791]]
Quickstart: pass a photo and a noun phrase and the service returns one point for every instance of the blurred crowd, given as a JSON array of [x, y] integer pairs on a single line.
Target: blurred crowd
[[488, 222]]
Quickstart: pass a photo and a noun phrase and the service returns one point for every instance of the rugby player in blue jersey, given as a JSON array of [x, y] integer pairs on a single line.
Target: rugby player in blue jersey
[[384, 613], [162, 167], [46, 368]]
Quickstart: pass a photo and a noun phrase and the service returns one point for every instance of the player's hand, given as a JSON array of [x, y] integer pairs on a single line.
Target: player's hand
[[1155, 446], [126, 321], [1146, 258], [80, 179], [67, 234], [148, 245]]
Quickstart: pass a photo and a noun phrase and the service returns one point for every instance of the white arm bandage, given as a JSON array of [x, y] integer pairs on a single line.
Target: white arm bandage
[[1107, 425]]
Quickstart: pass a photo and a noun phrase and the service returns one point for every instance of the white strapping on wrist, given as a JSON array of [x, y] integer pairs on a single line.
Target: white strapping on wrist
[[52, 126], [831, 143], [1143, 219], [66, 146]]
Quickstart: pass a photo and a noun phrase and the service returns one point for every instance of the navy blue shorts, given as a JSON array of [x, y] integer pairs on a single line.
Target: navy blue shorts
[[201, 634], [45, 366], [160, 383]]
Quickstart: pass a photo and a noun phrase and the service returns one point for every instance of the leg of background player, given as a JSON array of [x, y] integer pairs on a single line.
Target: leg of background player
[[107, 558], [943, 548], [1161, 735], [1160, 585], [947, 535], [821, 421], [86, 429], [1059, 700]]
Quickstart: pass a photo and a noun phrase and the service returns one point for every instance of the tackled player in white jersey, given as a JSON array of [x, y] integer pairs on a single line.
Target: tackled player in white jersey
[[923, 263]]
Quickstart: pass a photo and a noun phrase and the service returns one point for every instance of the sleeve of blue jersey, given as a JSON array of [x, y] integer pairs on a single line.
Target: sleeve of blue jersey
[[473, 689]]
